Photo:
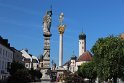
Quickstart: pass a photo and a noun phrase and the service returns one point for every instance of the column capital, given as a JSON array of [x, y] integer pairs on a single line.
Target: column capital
[[61, 29]]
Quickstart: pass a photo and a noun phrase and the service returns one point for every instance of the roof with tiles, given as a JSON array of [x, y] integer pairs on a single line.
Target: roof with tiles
[[86, 56], [67, 63]]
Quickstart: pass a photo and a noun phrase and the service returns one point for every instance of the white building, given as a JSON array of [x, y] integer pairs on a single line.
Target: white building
[[84, 56], [73, 64], [35, 62], [30, 61], [6, 58]]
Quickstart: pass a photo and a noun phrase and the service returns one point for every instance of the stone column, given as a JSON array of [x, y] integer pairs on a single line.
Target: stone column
[[61, 29], [45, 69], [61, 50]]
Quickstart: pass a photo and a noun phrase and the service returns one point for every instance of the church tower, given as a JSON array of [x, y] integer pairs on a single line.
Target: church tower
[[82, 43]]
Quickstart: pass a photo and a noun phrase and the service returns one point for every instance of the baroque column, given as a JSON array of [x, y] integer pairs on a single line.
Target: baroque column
[[45, 68], [61, 29]]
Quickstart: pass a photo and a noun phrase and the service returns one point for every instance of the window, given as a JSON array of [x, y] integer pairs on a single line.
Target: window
[[73, 69], [3, 51], [11, 55], [8, 66], [41, 64], [0, 64], [82, 47], [3, 65], [26, 65], [6, 53], [0, 50]]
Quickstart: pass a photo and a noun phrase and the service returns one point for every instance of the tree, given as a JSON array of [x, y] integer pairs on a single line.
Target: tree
[[87, 70], [35, 74], [109, 57], [19, 74], [15, 66], [73, 78]]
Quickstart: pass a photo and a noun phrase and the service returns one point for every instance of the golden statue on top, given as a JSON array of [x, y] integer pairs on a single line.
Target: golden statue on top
[[61, 27]]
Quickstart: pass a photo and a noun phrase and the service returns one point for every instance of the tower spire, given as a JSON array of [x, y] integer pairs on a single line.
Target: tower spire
[[73, 54], [82, 29], [82, 42]]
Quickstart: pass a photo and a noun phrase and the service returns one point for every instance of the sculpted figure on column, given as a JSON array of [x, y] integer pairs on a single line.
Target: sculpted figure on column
[[61, 18], [47, 22]]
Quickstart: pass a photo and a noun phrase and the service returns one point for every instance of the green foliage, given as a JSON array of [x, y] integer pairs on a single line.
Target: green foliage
[[15, 66], [20, 76], [35, 74], [87, 70], [109, 57], [73, 78], [122, 78]]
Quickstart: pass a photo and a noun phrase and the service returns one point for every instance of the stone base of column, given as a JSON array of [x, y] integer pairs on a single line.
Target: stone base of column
[[45, 74]]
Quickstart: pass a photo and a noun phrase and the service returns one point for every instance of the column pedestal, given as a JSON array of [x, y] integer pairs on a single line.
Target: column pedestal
[[45, 70]]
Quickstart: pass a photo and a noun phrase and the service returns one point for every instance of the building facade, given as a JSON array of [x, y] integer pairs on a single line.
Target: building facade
[[6, 58], [17, 55], [30, 61], [35, 62], [27, 59]]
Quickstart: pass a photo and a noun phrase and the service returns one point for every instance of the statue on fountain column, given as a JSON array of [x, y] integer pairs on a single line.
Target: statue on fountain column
[[61, 18], [47, 22], [45, 69]]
